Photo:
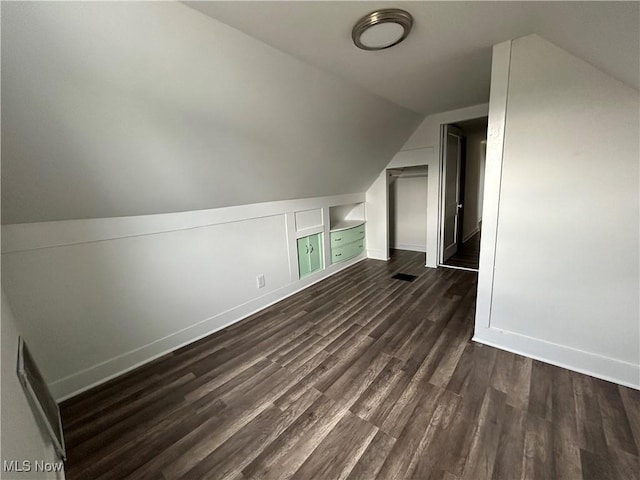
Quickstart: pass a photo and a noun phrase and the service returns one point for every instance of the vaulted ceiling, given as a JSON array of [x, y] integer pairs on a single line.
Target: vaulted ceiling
[[130, 108], [445, 63]]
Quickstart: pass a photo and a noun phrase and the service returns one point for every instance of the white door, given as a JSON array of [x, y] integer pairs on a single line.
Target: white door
[[452, 142]]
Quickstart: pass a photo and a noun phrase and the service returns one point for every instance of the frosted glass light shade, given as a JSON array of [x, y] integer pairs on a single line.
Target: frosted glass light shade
[[382, 29], [382, 35]]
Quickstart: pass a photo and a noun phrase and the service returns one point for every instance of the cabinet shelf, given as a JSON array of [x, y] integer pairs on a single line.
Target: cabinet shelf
[[346, 224]]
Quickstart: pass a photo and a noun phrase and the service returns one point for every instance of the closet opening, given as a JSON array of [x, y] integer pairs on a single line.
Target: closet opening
[[408, 208], [462, 190]]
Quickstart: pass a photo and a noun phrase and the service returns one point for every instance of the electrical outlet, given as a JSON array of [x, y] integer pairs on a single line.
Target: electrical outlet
[[260, 279]]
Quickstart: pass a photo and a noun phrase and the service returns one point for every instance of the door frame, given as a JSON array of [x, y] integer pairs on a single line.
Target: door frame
[[442, 192]]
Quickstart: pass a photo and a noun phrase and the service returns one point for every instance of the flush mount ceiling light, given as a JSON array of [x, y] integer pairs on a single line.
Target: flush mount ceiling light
[[382, 29]]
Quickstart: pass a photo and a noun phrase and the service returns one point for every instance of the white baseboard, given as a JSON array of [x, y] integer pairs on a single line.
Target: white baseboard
[[410, 247], [592, 364], [95, 375], [377, 255]]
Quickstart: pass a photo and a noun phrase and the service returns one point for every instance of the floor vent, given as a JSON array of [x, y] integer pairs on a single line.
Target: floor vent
[[404, 277]]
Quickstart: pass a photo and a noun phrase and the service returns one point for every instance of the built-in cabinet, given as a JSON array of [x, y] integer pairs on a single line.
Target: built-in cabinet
[[325, 236], [347, 240], [310, 254]]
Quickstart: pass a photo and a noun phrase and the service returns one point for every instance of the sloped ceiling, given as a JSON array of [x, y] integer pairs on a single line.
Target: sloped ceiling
[[118, 108], [446, 61]]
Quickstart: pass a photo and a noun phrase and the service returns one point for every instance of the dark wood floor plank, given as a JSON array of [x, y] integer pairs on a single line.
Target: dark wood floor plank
[[286, 466], [468, 254], [211, 439], [625, 465], [395, 392], [339, 451], [484, 448], [502, 371], [143, 404], [400, 460], [631, 401], [457, 333], [538, 458], [142, 439], [371, 398], [520, 383], [169, 453], [591, 434], [566, 450], [268, 463], [360, 376], [246, 444], [457, 440], [429, 450], [241, 380], [541, 390], [598, 467], [616, 424], [508, 461], [370, 463], [310, 373], [567, 464]]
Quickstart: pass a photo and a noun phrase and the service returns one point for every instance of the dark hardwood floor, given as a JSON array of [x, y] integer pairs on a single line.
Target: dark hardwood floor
[[468, 255], [358, 377]]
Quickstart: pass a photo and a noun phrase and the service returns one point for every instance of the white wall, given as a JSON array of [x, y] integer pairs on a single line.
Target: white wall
[[408, 213], [98, 297], [422, 148], [131, 108], [559, 265], [376, 207], [23, 437]]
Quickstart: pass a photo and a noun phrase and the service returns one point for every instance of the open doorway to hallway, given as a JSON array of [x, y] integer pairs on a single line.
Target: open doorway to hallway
[[462, 188]]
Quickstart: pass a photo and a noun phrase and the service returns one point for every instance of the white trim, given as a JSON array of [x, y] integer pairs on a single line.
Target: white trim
[[377, 255], [95, 375], [455, 267], [309, 231], [435, 122], [445, 253], [326, 239], [33, 236], [410, 247], [492, 180], [592, 364], [588, 363], [421, 156], [292, 247]]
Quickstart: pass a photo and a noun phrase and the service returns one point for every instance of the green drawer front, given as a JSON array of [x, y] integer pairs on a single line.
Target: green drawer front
[[347, 236], [340, 254]]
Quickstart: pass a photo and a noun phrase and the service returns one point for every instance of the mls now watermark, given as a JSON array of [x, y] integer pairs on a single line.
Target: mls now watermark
[[25, 466]]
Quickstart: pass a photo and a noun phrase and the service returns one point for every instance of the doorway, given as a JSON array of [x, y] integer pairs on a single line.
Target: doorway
[[462, 191], [407, 210]]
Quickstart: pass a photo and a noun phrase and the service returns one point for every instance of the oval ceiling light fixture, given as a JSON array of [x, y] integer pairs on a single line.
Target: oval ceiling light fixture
[[382, 29]]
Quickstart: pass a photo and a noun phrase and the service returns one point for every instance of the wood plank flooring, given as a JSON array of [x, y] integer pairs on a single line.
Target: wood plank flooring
[[468, 255], [358, 377]]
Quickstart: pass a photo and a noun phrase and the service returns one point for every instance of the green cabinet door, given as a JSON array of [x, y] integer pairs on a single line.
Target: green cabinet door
[[309, 254], [304, 265], [315, 252]]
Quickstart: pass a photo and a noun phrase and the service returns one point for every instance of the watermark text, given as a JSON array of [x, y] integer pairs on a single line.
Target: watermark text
[[18, 466]]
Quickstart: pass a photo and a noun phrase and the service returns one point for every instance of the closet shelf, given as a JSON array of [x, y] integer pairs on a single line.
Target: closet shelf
[[346, 224]]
